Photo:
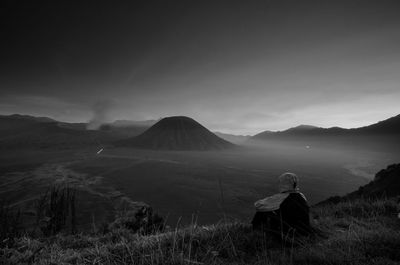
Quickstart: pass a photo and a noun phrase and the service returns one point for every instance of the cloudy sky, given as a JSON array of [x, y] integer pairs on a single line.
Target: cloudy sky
[[235, 66]]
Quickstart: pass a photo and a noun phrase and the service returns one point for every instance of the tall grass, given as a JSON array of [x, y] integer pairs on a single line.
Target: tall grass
[[10, 224], [55, 210], [358, 232], [360, 208]]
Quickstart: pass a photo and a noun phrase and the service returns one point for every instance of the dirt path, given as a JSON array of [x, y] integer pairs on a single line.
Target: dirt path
[[26, 187]]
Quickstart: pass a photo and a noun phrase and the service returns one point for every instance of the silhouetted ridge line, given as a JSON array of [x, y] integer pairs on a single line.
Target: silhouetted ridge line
[[177, 133], [388, 126], [385, 184]]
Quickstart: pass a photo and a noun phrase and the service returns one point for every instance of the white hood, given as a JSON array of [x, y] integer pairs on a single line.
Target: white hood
[[288, 183]]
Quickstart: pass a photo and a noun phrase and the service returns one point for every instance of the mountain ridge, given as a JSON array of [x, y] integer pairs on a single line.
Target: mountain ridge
[[177, 133], [390, 125], [386, 184]]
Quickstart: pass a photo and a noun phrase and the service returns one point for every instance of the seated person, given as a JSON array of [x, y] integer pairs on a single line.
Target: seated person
[[284, 212]]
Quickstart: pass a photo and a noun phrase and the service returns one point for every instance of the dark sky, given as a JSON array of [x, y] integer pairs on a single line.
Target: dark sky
[[235, 66]]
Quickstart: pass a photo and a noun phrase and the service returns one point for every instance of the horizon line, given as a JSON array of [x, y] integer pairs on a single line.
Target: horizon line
[[215, 131]]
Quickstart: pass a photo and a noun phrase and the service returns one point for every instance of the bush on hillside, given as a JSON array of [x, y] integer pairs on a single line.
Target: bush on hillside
[[142, 221], [10, 224], [55, 210]]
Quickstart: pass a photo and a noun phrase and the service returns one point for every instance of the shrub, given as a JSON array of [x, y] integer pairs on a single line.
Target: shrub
[[55, 210], [142, 221], [10, 224]]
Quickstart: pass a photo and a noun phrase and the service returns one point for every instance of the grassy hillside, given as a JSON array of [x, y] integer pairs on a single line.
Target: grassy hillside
[[352, 232], [360, 228]]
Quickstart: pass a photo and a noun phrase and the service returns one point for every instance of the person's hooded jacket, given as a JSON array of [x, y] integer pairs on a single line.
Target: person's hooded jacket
[[285, 210]]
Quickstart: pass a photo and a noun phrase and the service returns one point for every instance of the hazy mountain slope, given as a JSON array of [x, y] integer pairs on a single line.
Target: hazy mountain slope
[[129, 123], [301, 132], [388, 126], [385, 184], [119, 129], [23, 117], [177, 133], [124, 131], [13, 124], [236, 139], [382, 136], [30, 132]]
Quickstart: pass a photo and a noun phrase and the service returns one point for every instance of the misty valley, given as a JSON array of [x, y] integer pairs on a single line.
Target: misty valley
[[183, 186]]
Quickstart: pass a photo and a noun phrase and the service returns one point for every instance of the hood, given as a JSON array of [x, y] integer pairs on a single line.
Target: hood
[[288, 182]]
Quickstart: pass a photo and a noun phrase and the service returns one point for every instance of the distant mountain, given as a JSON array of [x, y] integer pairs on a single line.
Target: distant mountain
[[126, 129], [389, 126], [177, 133], [385, 184], [303, 128], [17, 131], [130, 123], [233, 138], [382, 135], [28, 118], [14, 124], [23, 131]]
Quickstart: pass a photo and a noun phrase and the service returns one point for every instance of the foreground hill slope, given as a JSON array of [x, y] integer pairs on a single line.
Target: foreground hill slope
[[177, 133], [356, 231], [360, 232]]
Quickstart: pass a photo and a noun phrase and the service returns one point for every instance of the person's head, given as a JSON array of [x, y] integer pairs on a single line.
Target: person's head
[[288, 182]]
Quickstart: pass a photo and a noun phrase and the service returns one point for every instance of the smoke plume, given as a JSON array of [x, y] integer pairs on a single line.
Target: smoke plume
[[101, 114]]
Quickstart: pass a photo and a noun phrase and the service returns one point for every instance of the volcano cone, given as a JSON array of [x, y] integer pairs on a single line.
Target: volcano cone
[[177, 133]]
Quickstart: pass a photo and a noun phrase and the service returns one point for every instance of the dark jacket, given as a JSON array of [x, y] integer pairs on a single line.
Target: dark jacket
[[292, 215]]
